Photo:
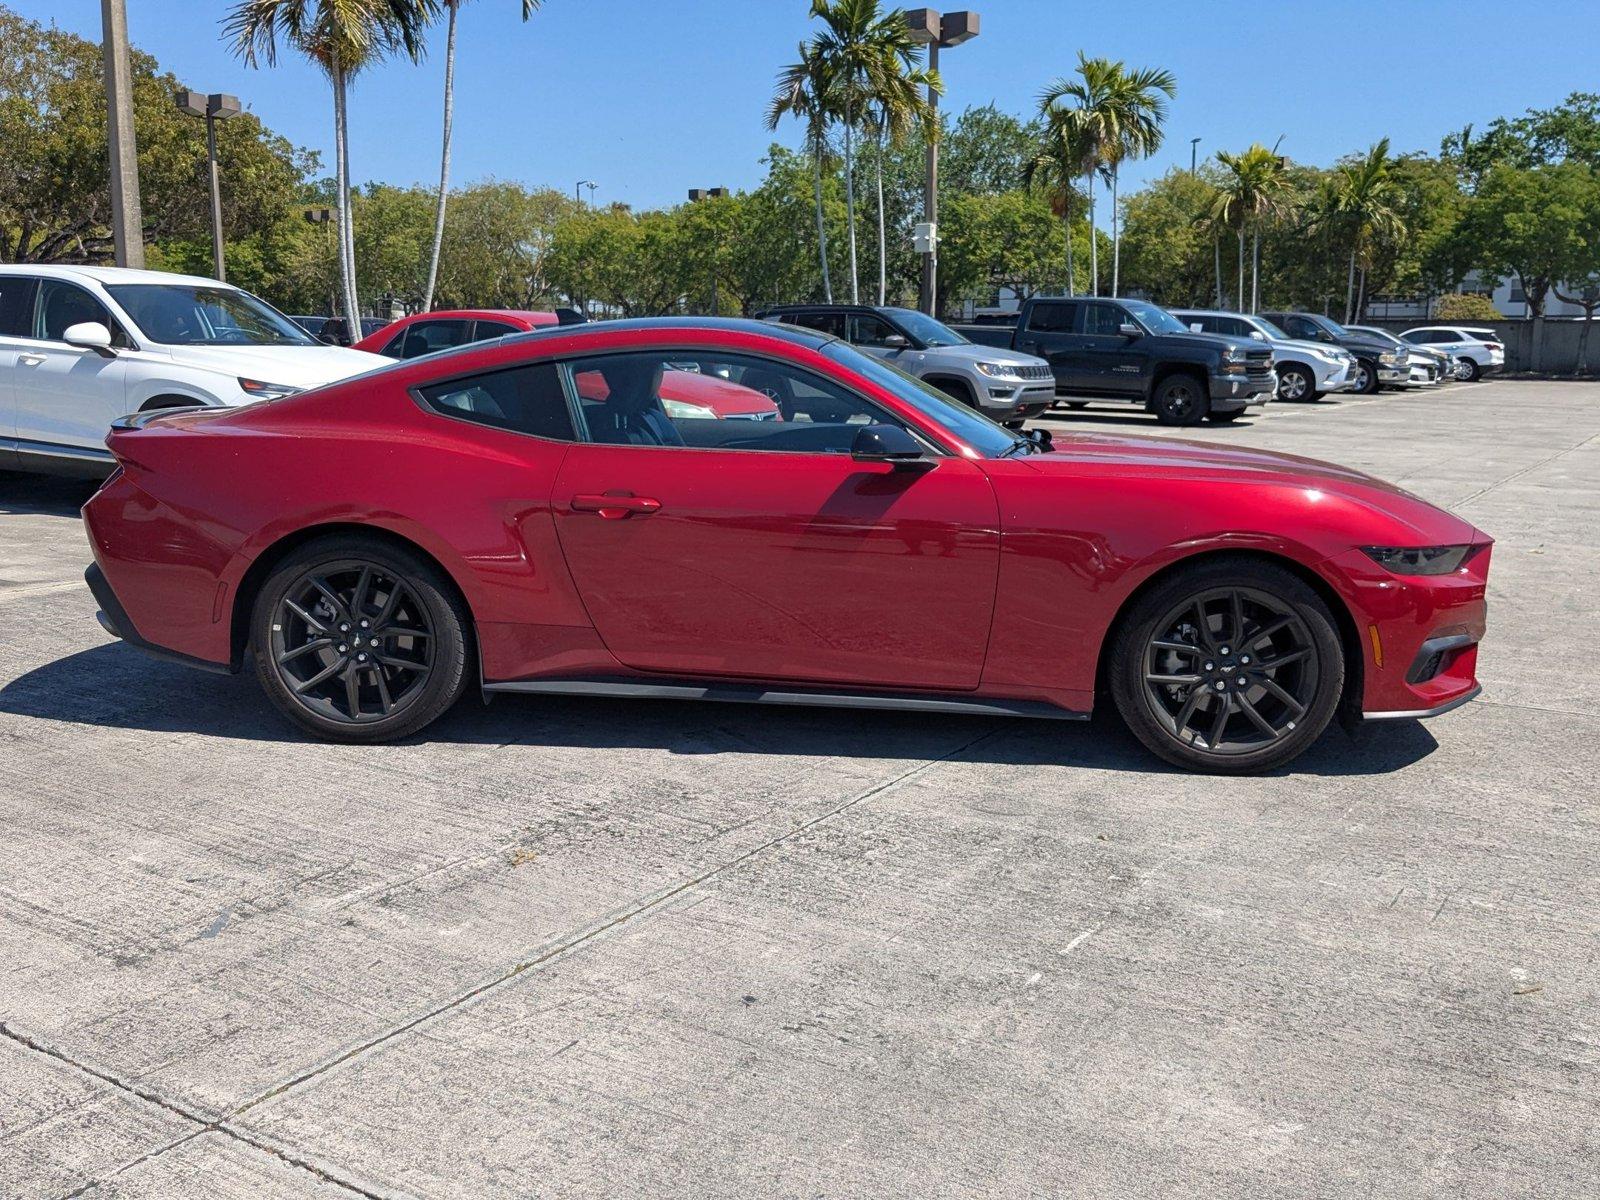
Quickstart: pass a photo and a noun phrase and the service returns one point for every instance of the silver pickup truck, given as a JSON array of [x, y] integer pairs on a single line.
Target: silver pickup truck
[[1005, 385]]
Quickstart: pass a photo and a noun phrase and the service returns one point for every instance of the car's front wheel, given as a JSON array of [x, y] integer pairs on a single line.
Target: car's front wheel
[[1228, 667], [360, 640], [1296, 383], [1365, 376], [1469, 370], [1180, 400]]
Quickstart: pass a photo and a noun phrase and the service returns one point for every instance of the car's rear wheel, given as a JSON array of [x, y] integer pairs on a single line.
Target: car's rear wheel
[[1228, 667], [1180, 400], [1471, 371], [1365, 374], [1296, 383], [357, 639]]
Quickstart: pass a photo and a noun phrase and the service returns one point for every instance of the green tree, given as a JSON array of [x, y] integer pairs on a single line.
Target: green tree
[[341, 37], [1140, 98], [1253, 192], [898, 106], [1360, 208], [801, 93], [986, 151], [1066, 153], [1168, 248]]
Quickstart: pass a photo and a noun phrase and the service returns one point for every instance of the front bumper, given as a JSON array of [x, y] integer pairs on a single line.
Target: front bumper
[[1235, 391], [1015, 401], [1394, 376], [1335, 377]]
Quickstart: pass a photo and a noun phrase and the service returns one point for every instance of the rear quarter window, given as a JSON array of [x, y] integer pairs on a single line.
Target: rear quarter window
[[1051, 317]]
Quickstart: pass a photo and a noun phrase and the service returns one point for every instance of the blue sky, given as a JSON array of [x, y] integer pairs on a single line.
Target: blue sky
[[652, 97]]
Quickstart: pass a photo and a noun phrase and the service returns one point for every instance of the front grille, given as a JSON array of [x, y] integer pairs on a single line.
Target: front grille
[[1259, 366], [1041, 371]]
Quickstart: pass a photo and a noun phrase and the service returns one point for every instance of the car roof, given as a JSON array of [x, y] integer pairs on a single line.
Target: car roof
[[1215, 312], [105, 275], [531, 316], [795, 334]]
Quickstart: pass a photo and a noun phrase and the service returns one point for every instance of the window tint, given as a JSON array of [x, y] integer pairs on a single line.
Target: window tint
[[492, 329], [827, 322], [427, 336], [182, 314], [63, 305], [521, 399], [1052, 317], [1301, 328], [1104, 320], [16, 305], [707, 400], [866, 330]]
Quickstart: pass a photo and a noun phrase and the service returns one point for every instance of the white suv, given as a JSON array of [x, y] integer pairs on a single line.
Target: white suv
[[1478, 350], [81, 346]]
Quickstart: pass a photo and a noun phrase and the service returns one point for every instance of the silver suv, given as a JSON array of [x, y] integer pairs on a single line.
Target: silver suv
[[1004, 385]]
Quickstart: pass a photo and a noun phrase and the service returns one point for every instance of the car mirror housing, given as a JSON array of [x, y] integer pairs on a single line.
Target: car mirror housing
[[890, 444], [896, 341], [1129, 329], [89, 335]]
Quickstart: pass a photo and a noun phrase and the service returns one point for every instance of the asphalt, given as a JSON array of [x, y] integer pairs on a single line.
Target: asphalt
[[601, 948]]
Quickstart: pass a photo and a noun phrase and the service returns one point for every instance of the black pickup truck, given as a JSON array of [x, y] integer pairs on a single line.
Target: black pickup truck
[[1130, 350]]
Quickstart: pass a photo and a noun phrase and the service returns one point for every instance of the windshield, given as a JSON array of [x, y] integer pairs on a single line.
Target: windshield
[[1268, 328], [184, 314], [1382, 335], [925, 329], [1328, 323], [971, 426], [1156, 320]]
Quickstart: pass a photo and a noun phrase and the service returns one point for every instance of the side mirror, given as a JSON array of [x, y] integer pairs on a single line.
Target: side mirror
[[89, 335], [896, 341], [1129, 329], [890, 444], [1258, 335]]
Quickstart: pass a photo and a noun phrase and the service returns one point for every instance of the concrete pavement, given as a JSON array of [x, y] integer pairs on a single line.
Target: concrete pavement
[[599, 948]]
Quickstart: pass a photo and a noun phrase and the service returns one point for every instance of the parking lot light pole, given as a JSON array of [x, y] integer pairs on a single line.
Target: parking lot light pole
[[577, 190], [1194, 149], [214, 107], [696, 195], [127, 218], [934, 29]]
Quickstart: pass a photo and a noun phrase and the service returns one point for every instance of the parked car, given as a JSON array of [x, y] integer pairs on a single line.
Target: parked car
[[1133, 351], [880, 547], [1377, 363], [80, 346], [312, 325], [331, 330], [1305, 370], [1478, 350], [1005, 385], [424, 333], [1429, 367]]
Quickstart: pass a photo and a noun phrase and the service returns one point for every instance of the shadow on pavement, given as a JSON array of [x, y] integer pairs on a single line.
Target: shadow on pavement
[[114, 686], [1139, 420], [43, 494]]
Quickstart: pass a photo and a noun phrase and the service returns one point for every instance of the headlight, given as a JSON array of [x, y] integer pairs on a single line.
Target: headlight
[[257, 390], [1234, 353], [1418, 560], [1000, 370], [680, 410], [1389, 358]]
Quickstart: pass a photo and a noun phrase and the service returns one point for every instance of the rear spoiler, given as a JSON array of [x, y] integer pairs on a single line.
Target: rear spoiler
[[139, 420], [570, 316]]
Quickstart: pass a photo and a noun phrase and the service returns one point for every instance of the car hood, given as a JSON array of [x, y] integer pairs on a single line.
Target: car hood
[[295, 366], [989, 354], [1173, 458], [1303, 345]]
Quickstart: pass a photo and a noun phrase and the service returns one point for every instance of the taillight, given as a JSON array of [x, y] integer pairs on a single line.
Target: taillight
[[1493, 346]]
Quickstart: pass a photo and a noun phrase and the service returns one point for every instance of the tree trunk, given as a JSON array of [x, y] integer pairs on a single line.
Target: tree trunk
[[1583, 340], [822, 228], [1216, 251], [1116, 235], [444, 156], [1094, 242], [1361, 295], [1255, 270], [883, 238], [341, 157], [1350, 287], [1240, 296], [850, 204], [1066, 210]]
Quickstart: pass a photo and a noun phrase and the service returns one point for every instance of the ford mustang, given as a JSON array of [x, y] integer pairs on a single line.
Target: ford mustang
[[533, 514]]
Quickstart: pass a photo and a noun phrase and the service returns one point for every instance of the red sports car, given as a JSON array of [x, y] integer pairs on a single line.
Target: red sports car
[[528, 515]]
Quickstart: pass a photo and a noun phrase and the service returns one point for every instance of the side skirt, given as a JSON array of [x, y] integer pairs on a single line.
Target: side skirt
[[748, 694]]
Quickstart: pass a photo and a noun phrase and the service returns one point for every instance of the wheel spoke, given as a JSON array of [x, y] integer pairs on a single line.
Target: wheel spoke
[[401, 631], [1267, 631], [390, 603], [331, 596], [1173, 679], [1256, 719], [1179, 647], [383, 690], [1236, 606], [1295, 707], [1203, 624], [1187, 711], [358, 598], [352, 692], [1283, 660], [407, 664], [315, 625], [290, 655], [305, 685], [1220, 723]]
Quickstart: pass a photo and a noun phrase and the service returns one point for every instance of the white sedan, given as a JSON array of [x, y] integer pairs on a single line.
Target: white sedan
[[1479, 350]]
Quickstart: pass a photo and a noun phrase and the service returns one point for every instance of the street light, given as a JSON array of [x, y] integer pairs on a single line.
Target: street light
[[1194, 144], [214, 107], [584, 183], [935, 29], [695, 196], [323, 215]]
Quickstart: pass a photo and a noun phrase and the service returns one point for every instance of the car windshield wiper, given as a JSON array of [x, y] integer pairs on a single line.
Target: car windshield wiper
[[1032, 447]]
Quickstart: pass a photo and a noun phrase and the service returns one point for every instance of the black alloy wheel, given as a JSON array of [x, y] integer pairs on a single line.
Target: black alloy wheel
[[1180, 400], [1228, 668], [359, 640]]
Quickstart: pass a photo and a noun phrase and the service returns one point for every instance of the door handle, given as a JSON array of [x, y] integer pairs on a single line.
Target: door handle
[[30, 360], [616, 506]]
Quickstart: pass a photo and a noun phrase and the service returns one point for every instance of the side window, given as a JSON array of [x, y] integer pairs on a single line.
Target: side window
[[1300, 327], [868, 330], [826, 322], [483, 330], [694, 399], [1204, 324], [16, 305], [1104, 320], [526, 399], [427, 336], [60, 306], [1052, 316]]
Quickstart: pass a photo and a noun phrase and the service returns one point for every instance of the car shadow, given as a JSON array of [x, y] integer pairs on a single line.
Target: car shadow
[[46, 495], [115, 686], [1140, 420]]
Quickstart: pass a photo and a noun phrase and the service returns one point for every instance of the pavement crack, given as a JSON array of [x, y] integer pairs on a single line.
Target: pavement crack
[[564, 944], [1527, 470]]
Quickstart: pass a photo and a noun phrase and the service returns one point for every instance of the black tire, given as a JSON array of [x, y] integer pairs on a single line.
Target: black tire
[[1474, 371], [1180, 399], [1077, 404], [416, 666], [1367, 377], [1224, 418], [1282, 616], [1296, 383]]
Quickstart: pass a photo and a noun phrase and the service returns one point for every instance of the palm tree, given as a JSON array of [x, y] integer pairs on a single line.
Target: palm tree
[[1367, 210], [1062, 159], [1142, 97], [1254, 191], [454, 7], [856, 44], [341, 37], [801, 93], [1095, 98], [899, 105]]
